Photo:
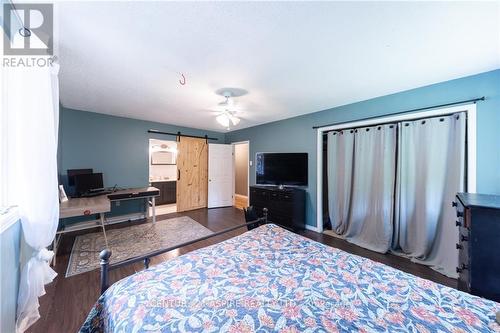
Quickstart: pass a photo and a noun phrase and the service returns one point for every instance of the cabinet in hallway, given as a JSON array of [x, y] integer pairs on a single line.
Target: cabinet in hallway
[[168, 191]]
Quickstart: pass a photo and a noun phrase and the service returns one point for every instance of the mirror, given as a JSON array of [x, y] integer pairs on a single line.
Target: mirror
[[162, 157]]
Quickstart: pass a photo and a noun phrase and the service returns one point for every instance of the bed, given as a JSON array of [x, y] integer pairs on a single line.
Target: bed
[[270, 279]]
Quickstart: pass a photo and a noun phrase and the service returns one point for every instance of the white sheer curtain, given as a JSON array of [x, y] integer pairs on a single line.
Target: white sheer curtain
[[431, 172], [361, 179], [32, 107]]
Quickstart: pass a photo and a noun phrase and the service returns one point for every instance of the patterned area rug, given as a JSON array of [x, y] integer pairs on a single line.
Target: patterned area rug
[[132, 241]]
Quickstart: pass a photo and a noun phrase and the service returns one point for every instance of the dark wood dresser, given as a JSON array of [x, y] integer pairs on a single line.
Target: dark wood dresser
[[478, 218], [286, 207]]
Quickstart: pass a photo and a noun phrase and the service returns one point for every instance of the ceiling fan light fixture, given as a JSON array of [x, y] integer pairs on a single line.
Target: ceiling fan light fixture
[[234, 120], [223, 119], [228, 108]]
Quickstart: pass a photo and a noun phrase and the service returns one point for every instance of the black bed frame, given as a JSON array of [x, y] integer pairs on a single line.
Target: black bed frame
[[105, 254]]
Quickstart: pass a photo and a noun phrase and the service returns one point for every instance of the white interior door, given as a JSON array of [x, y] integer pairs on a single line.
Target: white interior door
[[220, 175]]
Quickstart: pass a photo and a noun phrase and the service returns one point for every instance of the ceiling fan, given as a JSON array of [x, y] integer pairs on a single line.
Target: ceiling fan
[[227, 116], [227, 109]]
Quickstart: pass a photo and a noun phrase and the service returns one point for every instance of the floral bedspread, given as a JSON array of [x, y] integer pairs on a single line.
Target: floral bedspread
[[270, 279]]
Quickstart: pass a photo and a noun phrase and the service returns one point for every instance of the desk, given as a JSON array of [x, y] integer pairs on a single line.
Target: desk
[[84, 206], [99, 205]]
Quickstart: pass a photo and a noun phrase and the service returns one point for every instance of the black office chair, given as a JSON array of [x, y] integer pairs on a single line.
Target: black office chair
[[251, 215]]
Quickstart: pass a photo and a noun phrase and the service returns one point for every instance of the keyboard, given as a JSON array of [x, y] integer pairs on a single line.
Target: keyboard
[[95, 194]]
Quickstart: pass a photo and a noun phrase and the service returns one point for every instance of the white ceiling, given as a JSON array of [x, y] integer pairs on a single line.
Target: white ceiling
[[124, 58]]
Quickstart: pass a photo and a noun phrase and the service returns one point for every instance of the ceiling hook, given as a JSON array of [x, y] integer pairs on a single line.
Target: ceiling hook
[[182, 81]]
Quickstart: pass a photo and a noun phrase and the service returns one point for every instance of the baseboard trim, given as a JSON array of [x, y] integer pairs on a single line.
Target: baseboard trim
[[312, 228]]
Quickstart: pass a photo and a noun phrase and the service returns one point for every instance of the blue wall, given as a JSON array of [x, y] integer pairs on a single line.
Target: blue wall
[[10, 248], [116, 146], [296, 134]]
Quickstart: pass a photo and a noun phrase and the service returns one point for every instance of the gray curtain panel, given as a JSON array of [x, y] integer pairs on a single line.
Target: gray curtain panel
[[370, 222], [340, 166], [361, 179], [431, 162]]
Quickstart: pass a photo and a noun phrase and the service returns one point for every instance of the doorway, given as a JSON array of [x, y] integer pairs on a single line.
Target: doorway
[[241, 161], [163, 174]]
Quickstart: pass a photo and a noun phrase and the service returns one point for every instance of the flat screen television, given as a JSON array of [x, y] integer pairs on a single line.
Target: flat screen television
[[287, 169], [74, 172], [88, 182]]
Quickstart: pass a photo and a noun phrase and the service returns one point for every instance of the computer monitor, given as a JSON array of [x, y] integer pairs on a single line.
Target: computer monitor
[[85, 183], [73, 172]]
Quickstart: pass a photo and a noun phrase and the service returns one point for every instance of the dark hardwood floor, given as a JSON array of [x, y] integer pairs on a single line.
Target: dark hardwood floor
[[68, 300]]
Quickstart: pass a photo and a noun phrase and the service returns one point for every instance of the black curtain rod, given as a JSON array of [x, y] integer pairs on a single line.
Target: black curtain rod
[[355, 128], [474, 100], [180, 134]]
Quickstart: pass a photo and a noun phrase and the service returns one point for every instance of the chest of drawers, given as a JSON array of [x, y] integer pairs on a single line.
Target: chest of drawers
[[286, 207], [478, 220]]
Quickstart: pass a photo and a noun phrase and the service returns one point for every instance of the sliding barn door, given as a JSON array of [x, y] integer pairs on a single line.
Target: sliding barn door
[[220, 175], [192, 165]]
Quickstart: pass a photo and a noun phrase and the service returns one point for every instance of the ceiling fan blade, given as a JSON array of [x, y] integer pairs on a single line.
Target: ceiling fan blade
[[213, 110], [234, 120]]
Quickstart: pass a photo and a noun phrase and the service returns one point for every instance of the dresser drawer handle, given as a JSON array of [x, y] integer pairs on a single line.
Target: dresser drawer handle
[[462, 268], [459, 247], [464, 238], [460, 213], [458, 223], [453, 204]]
